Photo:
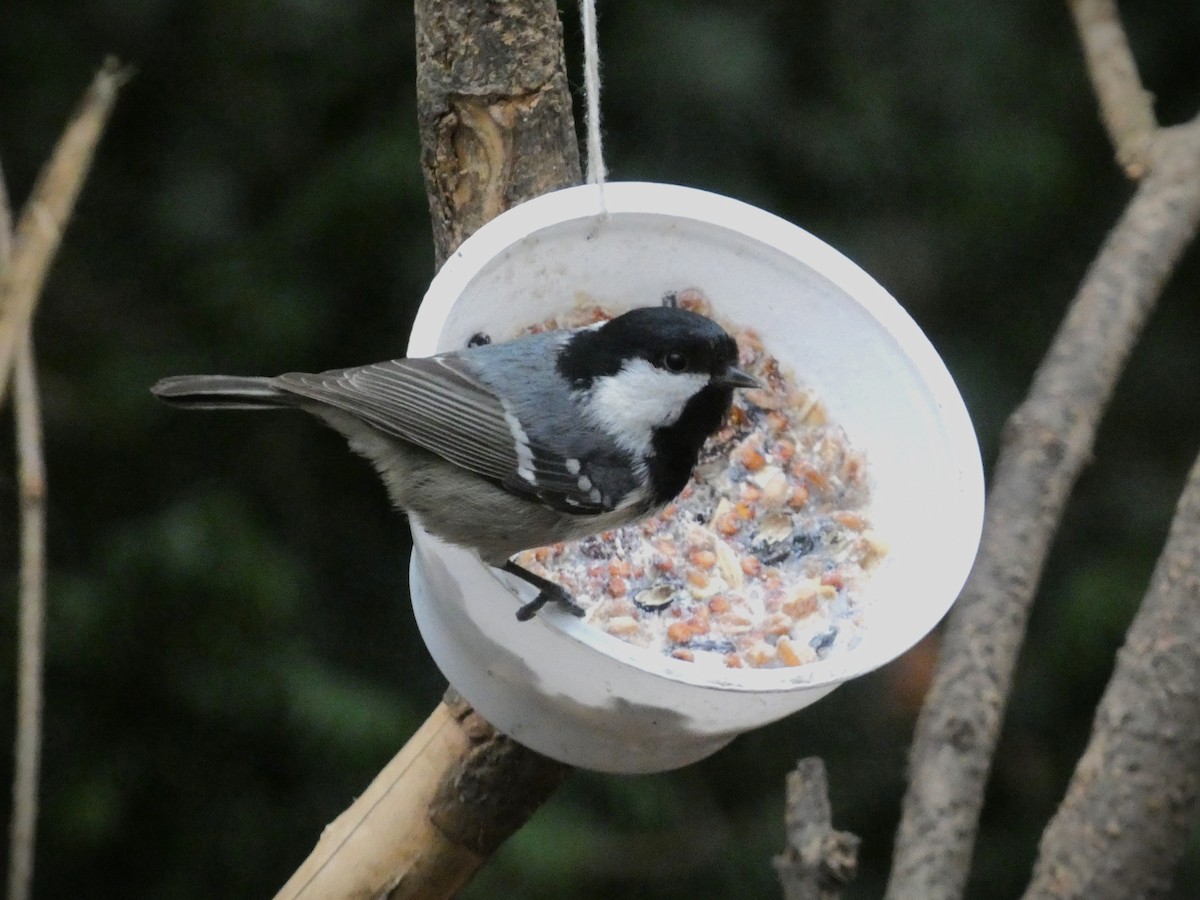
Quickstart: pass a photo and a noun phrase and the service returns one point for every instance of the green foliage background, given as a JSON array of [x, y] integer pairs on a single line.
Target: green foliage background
[[231, 653]]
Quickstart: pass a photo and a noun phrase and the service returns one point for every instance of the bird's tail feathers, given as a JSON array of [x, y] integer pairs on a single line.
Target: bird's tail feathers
[[221, 392]]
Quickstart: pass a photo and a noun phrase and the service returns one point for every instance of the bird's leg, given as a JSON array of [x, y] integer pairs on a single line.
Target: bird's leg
[[548, 592]]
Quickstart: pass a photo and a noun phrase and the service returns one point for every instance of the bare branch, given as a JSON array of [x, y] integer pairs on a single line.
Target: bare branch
[[30, 637], [1131, 804], [425, 825], [494, 109], [387, 829], [25, 258], [27, 751], [1126, 107], [818, 861], [44, 216], [1047, 441]]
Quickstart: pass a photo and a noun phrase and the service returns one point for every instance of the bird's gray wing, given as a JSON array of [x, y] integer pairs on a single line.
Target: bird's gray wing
[[438, 403]]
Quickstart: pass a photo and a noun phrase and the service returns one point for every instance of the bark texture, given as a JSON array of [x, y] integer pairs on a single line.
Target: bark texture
[[1125, 820], [494, 109], [818, 861], [493, 788]]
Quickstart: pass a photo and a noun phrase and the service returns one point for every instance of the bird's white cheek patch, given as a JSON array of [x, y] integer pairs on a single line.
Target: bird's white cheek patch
[[638, 399]]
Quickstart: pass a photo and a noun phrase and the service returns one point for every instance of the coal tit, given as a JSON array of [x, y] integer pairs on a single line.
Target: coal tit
[[506, 446]]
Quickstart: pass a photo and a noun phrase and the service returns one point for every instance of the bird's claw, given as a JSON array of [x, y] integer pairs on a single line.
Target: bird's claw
[[552, 594]]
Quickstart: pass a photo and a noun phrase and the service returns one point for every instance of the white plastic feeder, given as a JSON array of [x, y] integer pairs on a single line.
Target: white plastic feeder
[[576, 694]]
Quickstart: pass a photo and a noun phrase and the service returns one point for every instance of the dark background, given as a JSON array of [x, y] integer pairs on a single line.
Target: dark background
[[231, 652]]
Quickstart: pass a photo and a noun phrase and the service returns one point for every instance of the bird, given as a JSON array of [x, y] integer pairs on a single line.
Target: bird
[[503, 447]]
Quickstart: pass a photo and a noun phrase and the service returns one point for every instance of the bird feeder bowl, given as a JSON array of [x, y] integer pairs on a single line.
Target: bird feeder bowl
[[569, 690]]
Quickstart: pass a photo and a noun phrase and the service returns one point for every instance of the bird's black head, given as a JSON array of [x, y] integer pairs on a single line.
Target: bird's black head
[[675, 340], [659, 381]]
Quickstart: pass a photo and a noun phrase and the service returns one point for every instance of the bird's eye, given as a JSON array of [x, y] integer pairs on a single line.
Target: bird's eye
[[675, 361]]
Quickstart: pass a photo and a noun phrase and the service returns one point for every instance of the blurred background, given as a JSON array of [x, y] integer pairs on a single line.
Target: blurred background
[[232, 656]]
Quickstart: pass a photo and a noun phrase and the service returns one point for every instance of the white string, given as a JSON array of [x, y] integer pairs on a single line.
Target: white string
[[591, 88]]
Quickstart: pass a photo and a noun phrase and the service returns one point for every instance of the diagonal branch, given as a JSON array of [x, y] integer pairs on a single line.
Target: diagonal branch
[[31, 478], [31, 631], [432, 817], [44, 216], [1047, 441], [25, 257], [1138, 776], [1126, 107]]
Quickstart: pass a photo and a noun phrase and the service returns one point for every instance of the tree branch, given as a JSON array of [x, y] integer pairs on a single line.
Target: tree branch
[[1125, 106], [818, 861], [31, 633], [494, 109], [44, 216], [496, 129], [27, 750], [25, 257], [429, 820], [1130, 806], [1046, 443]]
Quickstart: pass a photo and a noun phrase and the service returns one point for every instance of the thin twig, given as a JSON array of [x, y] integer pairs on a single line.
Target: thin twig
[[818, 861], [1131, 804], [44, 216], [30, 636], [1126, 107], [25, 257], [432, 817], [27, 750], [1047, 441]]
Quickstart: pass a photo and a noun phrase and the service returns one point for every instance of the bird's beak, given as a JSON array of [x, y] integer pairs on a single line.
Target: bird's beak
[[735, 377]]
